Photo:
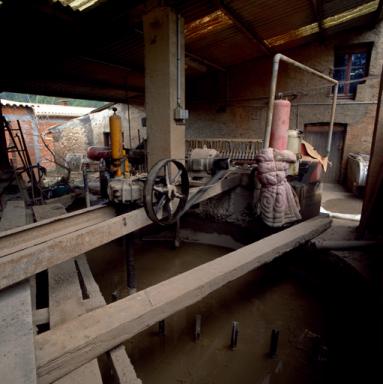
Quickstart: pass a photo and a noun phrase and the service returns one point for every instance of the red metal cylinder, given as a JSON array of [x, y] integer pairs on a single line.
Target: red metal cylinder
[[98, 153], [280, 124]]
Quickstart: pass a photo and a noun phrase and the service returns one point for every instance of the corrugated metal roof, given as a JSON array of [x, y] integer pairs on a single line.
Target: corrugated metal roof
[[109, 50], [50, 109], [271, 18]]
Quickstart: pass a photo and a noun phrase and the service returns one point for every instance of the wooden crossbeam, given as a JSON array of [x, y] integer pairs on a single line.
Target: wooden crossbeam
[[17, 352], [24, 263], [73, 344]]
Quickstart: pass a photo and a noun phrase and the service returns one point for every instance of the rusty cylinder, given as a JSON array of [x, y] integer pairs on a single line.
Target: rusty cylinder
[[115, 128], [280, 124]]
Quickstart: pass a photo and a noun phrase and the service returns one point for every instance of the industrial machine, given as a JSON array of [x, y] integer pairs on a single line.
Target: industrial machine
[[286, 168], [164, 190]]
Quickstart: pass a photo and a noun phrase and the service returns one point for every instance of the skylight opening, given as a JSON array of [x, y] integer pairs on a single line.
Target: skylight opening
[[213, 22], [78, 5], [327, 23]]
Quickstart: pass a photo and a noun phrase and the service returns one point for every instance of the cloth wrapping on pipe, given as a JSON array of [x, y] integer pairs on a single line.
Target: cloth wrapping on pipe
[[278, 203]]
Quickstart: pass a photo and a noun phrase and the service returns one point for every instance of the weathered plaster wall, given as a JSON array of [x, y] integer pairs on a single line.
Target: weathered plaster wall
[[239, 109]]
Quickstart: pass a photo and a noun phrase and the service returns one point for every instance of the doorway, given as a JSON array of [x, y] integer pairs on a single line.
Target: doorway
[[316, 134]]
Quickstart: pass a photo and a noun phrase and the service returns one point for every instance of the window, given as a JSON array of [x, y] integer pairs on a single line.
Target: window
[[351, 67]]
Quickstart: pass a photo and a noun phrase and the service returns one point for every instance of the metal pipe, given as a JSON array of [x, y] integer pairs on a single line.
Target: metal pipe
[[273, 85], [274, 338], [234, 335], [178, 60], [161, 328], [197, 330], [86, 186], [344, 244], [333, 107], [130, 265]]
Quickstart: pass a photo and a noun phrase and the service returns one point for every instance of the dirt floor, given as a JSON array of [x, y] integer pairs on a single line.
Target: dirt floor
[[314, 323], [335, 198]]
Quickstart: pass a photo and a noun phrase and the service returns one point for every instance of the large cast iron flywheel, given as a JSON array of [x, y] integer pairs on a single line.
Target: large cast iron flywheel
[[166, 191]]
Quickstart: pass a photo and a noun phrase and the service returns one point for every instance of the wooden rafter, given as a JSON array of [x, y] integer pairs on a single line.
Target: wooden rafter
[[244, 27]]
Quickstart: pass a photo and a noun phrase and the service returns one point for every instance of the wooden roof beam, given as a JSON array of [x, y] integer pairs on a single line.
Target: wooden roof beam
[[244, 27], [317, 7], [378, 14]]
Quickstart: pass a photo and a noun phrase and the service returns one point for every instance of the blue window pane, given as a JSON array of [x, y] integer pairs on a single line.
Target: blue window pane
[[359, 59]]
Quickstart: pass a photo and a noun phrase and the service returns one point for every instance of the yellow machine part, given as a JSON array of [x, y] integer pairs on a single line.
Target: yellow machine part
[[115, 128]]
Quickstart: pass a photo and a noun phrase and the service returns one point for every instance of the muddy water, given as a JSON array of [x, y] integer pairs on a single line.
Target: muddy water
[[262, 300]]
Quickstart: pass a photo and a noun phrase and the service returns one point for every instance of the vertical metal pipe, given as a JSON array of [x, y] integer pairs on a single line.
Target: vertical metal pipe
[[130, 265], [274, 342], [161, 328], [178, 60], [86, 186], [333, 108], [197, 330], [273, 87], [234, 335]]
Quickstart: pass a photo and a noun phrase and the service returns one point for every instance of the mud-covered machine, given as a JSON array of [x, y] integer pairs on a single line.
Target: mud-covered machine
[[164, 190]]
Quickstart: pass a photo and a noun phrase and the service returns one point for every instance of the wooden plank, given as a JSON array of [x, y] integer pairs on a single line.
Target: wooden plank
[[19, 265], [41, 316], [17, 239], [17, 351], [123, 367], [65, 303], [65, 300], [61, 350], [43, 212], [13, 215]]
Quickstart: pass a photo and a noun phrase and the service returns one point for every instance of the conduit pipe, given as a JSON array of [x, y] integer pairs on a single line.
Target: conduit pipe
[[273, 86], [344, 244]]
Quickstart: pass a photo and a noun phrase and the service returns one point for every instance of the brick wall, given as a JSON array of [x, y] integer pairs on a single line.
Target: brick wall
[[75, 136], [33, 128], [234, 105]]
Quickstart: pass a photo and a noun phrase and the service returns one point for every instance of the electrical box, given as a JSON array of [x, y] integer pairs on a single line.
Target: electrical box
[[180, 115]]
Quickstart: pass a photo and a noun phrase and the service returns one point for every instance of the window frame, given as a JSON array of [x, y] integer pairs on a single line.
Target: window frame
[[350, 50]]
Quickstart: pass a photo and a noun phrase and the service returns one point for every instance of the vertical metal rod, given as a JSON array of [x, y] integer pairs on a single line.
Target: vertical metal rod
[[197, 329], [178, 60], [234, 335], [86, 186], [274, 342], [130, 129], [273, 87], [130, 265], [333, 108], [161, 328]]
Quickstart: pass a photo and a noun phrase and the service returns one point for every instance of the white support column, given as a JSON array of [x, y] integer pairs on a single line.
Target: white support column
[[166, 138]]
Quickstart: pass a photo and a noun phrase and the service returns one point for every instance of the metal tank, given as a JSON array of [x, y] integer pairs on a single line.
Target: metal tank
[[280, 124]]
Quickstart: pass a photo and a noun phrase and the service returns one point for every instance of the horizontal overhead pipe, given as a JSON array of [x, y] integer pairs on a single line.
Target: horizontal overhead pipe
[[273, 86]]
